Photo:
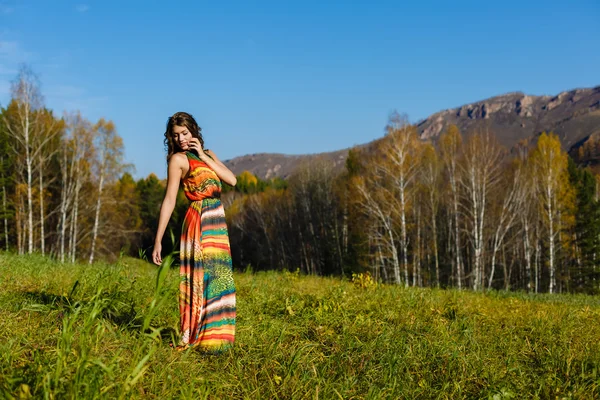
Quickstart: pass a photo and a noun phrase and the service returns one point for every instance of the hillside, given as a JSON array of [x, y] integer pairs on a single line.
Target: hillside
[[573, 115], [102, 331], [270, 165]]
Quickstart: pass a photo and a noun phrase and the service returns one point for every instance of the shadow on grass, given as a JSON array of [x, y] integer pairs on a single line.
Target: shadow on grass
[[120, 313], [116, 306], [51, 300]]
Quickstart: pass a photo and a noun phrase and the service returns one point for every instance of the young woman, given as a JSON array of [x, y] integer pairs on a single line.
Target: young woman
[[207, 292]]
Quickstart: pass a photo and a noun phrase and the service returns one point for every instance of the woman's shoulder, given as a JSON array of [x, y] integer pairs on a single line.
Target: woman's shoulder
[[178, 158]]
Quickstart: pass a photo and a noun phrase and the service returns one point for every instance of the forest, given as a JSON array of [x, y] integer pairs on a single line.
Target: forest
[[459, 212]]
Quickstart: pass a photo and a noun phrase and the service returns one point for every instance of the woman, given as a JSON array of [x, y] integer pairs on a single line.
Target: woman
[[207, 293]]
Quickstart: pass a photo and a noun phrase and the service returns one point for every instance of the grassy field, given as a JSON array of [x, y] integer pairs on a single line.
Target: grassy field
[[103, 331]]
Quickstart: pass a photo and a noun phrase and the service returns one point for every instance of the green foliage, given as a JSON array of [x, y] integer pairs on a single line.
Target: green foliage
[[354, 166], [103, 331], [151, 193], [587, 229], [7, 161], [363, 280], [247, 183]]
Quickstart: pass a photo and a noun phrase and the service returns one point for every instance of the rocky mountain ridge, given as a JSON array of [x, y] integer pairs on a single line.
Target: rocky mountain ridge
[[573, 115]]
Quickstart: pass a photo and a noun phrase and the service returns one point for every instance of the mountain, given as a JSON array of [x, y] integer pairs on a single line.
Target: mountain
[[271, 165], [573, 115]]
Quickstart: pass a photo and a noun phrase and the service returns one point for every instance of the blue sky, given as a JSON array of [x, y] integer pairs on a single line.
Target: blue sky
[[289, 77]]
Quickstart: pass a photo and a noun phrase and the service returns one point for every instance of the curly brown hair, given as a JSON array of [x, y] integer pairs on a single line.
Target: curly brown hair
[[181, 119]]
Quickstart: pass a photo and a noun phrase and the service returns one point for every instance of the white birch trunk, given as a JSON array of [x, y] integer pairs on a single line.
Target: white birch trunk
[[527, 253], [374, 210], [69, 179], [4, 204], [97, 218], [550, 236], [74, 224], [29, 166], [20, 226], [404, 243], [434, 229], [513, 201], [537, 265], [42, 217], [62, 218], [459, 271], [475, 225], [395, 257], [417, 281]]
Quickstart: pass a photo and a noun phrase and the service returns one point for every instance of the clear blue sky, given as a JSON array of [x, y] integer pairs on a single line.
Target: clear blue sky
[[289, 77]]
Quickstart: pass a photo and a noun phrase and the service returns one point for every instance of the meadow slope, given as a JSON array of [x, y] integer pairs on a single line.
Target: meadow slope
[[103, 331]]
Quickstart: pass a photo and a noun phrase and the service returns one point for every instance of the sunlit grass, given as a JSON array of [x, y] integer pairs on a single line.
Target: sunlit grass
[[103, 331]]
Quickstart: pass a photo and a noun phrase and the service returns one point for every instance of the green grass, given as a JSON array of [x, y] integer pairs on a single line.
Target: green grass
[[103, 331]]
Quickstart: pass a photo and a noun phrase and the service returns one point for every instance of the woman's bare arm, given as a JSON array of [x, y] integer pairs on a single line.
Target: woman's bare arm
[[214, 163], [175, 172]]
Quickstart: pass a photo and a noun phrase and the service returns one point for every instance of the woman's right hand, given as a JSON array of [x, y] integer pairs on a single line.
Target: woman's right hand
[[156, 254]]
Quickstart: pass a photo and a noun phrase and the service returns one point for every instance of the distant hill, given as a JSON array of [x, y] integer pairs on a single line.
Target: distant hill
[[270, 165], [573, 115]]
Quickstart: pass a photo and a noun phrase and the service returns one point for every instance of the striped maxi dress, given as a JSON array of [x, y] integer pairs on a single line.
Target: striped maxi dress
[[207, 299]]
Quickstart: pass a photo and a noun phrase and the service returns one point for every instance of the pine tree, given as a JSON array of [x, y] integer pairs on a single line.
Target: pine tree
[[586, 230]]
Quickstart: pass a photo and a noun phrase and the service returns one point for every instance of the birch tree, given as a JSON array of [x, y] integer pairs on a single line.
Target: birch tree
[[32, 129], [5, 179], [377, 204], [23, 127], [76, 148], [551, 177], [49, 147], [430, 178], [511, 197], [450, 147], [108, 165], [401, 169], [480, 173]]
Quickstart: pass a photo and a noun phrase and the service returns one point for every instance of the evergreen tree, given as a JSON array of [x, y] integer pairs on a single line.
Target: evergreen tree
[[584, 270]]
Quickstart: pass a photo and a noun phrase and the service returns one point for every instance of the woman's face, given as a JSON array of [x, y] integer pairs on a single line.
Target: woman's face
[[182, 136]]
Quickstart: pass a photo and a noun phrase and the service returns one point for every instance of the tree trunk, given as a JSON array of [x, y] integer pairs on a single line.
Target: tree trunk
[[4, 204], [5, 217], [29, 165], [493, 268], [394, 255], [97, 218], [459, 271], [21, 230], [338, 244], [74, 228], [551, 239], [476, 239], [435, 245], [417, 253], [537, 266], [42, 233], [527, 254], [404, 240]]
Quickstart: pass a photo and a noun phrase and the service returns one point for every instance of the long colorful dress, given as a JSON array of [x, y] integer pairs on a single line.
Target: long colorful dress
[[207, 292]]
